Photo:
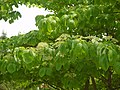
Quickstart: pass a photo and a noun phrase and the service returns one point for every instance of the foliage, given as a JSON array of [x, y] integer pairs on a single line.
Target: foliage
[[76, 48], [3, 36]]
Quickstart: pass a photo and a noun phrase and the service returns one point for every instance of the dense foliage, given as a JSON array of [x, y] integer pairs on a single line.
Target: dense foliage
[[76, 48]]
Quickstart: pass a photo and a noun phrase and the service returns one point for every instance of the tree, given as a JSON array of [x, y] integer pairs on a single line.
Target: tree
[[77, 47], [3, 35]]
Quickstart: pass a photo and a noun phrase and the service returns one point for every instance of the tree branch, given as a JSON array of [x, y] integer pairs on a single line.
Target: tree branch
[[86, 85], [93, 83], [104, 80], [110, 79]]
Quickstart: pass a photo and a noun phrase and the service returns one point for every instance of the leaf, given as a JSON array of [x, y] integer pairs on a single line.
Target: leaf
[[29, 66], [28, 56], [97, 2], [80, 66], [116, 67], [74, 43], [42, 72], [77, 52], [64, 17], [112, 55], [11, 68], [48, 71], [71, 22], [82, 24], [103, 62], [67, 66], [62, 48], [18, 14], [0, 64], [11, 21], [95, 11], [3, 66], [85, 46], [65, 82], [100, 48], [38, 18], [92, 51], [19, 53], [58, 65]]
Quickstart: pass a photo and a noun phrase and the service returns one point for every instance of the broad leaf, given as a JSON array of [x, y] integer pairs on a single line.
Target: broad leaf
[[3, 66], [58, 65], [11, 68], [42, 72], [28, 56], [103, 62], [49, 71], [116, 67]]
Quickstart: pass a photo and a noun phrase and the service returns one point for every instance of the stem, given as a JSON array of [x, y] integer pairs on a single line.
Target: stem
[[86, 85], [54, 87], [104, 80], [93, 83], [110, 79]]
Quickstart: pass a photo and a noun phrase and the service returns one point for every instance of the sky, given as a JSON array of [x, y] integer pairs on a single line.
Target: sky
[[24, 24]]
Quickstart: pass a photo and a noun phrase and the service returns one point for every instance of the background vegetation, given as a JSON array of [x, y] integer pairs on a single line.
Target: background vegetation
[[76, 48]]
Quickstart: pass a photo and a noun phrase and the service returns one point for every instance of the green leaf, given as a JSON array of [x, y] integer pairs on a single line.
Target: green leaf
[[116, 67], [97, 2], [28, 56], [0, 64], [62, 48], [11, 21], [77, 51], [19, 53], [3, 66], [103, 62], [58, 65], [92, 51], [100, 48], [29, 66], [85, 46], [82, 24], [42, 72], [49, 71], [71, 22], [95, 11], [11, 68], [64, 17], [67, 66], [110, 55], [38, 18], [74, 43]]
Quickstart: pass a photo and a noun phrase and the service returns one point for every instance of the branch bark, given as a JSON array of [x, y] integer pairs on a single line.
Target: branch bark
[[86, 85], [110, 79], [93, 83], [104, 80]]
